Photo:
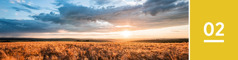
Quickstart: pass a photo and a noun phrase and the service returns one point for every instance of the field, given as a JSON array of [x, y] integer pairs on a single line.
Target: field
[[59, 50]]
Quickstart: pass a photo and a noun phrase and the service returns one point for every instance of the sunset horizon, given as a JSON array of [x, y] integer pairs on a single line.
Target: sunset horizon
[[94, 29]]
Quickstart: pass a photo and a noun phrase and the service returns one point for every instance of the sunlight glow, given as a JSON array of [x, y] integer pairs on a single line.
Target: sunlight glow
[[123, 26], [126, 33], [168, 32]]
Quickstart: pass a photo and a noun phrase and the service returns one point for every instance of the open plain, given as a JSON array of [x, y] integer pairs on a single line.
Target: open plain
[[61, 50]]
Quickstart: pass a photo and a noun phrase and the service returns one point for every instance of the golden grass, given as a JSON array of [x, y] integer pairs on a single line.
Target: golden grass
[[93, 51]]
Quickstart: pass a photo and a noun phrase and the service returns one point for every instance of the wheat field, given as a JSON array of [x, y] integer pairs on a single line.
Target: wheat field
[[93, 51]]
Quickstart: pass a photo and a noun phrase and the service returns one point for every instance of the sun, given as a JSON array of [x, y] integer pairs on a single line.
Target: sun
[[126, 33]]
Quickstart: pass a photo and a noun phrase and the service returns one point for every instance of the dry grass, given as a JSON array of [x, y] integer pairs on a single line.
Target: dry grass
[[93, 51]]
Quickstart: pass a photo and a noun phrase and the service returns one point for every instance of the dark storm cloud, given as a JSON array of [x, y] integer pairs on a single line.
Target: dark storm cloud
[[21, 9], [24, 26], [30, 6]]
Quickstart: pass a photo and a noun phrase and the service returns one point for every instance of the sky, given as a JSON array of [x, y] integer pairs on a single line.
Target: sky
[[114, 19]]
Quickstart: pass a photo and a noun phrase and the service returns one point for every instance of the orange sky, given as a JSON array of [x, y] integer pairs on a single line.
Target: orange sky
[[168, 32]]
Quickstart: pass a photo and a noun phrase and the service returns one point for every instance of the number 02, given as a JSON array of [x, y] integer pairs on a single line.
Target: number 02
[[212, 29]]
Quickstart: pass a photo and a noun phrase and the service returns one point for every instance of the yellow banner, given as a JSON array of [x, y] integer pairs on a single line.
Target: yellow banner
[[213, 29]]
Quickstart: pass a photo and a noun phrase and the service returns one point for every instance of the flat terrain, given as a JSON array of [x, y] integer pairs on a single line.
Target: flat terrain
[[93, 51]]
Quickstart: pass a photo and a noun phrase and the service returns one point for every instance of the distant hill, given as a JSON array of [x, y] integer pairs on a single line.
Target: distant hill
[[51, 39], [92, 40], [163, 40]]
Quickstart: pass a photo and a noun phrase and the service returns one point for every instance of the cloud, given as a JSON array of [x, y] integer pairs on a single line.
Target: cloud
[[73, 25], [30, 6], [60, 2], [78, 18], [12, 26], [16, 13], [52, 17], [171, 13], [11, 1], [79, 14], [101, 2], [26, 7], [20, 1], [156, 6], [74, 14], [25, 26], [21, 9]]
